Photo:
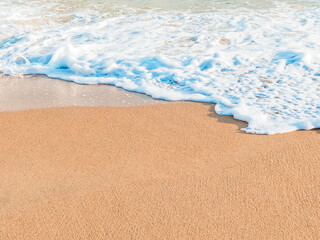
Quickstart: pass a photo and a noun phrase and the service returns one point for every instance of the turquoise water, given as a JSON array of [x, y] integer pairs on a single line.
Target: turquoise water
[[258, 60]]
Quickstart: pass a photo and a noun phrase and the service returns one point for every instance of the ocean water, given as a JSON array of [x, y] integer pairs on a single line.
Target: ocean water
[[259, 60]]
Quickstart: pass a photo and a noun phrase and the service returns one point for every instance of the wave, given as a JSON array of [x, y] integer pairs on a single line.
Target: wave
[[259, 65]]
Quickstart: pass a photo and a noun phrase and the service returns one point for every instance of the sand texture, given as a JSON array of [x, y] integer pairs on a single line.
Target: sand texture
[[173, 171]]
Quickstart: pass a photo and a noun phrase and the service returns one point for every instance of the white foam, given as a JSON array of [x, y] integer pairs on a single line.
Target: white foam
[[260, 65]]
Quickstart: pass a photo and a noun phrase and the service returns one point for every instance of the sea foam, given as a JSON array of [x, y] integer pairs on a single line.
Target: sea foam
[[261, 65]]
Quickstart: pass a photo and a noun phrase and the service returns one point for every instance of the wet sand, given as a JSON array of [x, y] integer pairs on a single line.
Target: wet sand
[[172, 171], [39, 91]]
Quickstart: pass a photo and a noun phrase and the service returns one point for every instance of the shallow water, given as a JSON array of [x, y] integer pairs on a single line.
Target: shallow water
[[259, 60], [37, 91]]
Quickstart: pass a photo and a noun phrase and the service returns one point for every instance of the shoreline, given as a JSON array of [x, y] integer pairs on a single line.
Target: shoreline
[[25, 92], [171, 171]]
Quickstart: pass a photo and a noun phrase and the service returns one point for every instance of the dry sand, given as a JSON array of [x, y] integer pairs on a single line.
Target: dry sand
[[174, 171]]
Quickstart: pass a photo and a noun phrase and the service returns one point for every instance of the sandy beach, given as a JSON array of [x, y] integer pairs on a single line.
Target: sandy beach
[[170, 171], [160, 119]]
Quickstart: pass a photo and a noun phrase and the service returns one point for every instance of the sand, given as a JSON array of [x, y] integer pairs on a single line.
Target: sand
[[38, 91], [172, 171]]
